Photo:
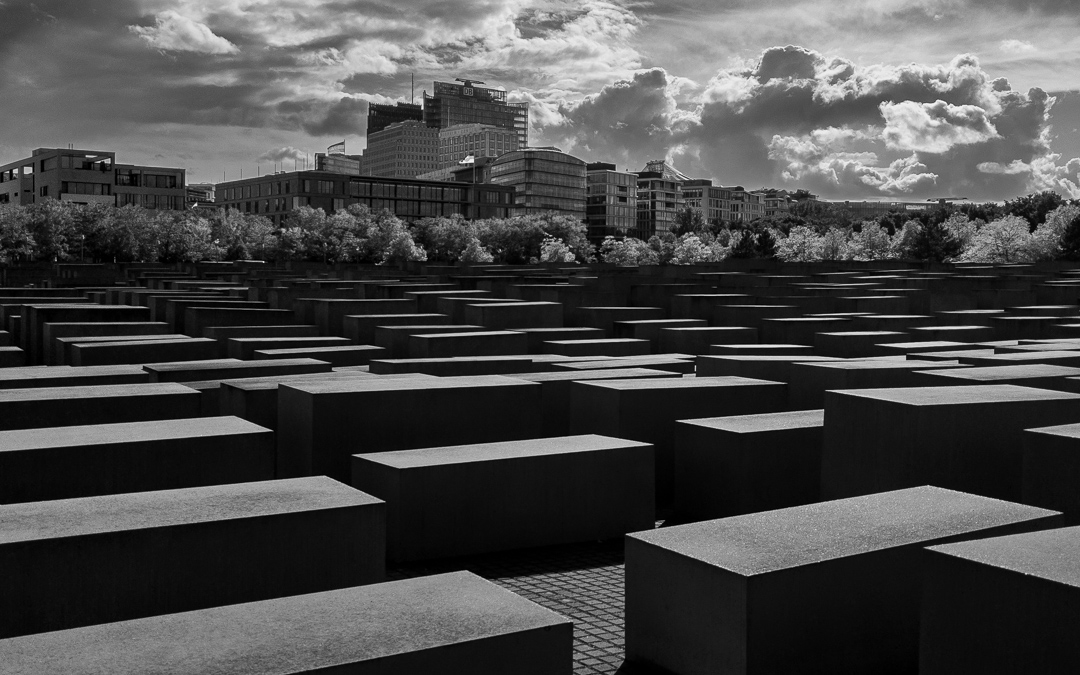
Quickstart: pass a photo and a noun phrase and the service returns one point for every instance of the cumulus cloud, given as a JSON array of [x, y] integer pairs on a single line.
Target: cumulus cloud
[[797, 118], [934, 127], [282, 154], [174, 32]]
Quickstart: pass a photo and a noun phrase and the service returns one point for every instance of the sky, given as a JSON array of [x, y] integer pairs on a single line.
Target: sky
[[850, 99]]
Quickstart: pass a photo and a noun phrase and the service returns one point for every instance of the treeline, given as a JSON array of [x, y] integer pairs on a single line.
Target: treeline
[[1040, 226], [63, 232]]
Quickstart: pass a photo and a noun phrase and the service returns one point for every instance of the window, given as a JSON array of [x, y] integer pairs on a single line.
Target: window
[[44, 191]]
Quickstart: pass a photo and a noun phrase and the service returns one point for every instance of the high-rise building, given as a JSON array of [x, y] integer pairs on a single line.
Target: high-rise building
[[381, 115], [275, 195], [466, 103], [402, 150], [544, 179], [659, 198], [90, 177], [611, 201], [474, 140]]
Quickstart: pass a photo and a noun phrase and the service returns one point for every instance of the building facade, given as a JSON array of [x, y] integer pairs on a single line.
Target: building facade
[[350, 165], [276, 195], [402, 150], [381, 115], [610, 202], [90, 177], [659, 198], [475, 140], [544, 179], [200, 194], [452, 104]]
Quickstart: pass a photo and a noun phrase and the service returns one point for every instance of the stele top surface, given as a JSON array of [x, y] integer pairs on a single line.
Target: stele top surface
[[925, 344], [49, 372], [1046, 554], [992, 373], [608, 374], [962, 395], [507, 450], [35, 521], [769, 541], [750, 424], [682, 383], [884, 363], [125, 432], [1063, 430], [272, 381], [769, 358], [316, 350], [473, 334], [231, 364], [303, 633], [92, 391], [368, 384], [1032, 356]]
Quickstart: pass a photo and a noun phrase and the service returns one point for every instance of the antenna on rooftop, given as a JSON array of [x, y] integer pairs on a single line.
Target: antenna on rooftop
[[412, 90]]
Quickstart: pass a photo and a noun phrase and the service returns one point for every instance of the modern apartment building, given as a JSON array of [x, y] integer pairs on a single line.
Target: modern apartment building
[[610, 202], [659, 198], [544, 179], [475, 140], [90, 176], [274, 196], [466, 103], [402, 150]]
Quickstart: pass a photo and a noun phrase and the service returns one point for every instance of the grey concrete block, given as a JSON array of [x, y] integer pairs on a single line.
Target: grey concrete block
[[831, 587], [471, 499], [77, 562]]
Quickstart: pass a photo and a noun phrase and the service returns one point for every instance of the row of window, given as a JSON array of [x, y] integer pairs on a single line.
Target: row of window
[[75, 188], [162, 202]]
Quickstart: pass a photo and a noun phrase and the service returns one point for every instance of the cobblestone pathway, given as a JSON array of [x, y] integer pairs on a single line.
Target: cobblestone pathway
[[583, 582]]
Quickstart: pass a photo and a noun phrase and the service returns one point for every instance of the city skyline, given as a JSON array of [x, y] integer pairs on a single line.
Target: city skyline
[[898, 100]]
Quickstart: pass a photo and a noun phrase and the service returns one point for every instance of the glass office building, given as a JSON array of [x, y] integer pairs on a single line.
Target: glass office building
[[544, 179], [274, 196], [465, 103]]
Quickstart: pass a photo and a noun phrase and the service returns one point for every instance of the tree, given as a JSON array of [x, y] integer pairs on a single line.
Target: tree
[[628, 251], [1033, 207], [903, 241], [1047, 238], [554, 250], [690, 250], [1005, 240], [836, 244], [475, 253], [933, 242], [243, 236], [688, 220], [15, 240], [871, 242], [52, 227], [1070, 240], [802, 244], [185, 236]]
